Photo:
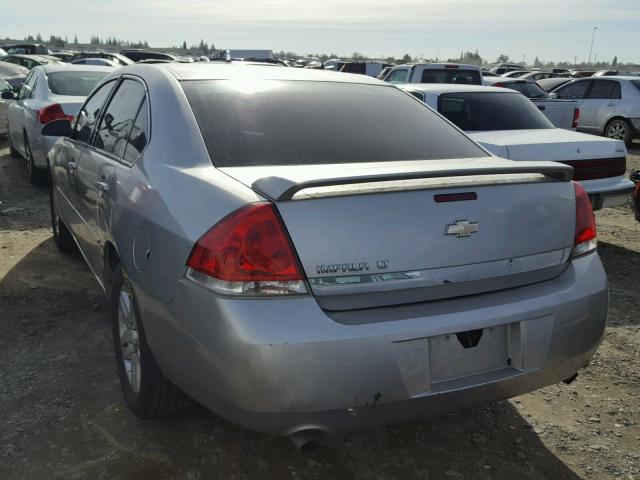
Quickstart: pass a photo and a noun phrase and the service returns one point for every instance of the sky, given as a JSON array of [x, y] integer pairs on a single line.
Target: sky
[[554, 30]]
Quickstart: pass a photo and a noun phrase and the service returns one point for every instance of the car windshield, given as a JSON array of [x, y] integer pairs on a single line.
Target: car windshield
[[78, 84], [528, 89], [484, 111], [269, 122]]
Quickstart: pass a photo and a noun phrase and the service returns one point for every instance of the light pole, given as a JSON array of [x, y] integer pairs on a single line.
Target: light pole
[[592, 37]]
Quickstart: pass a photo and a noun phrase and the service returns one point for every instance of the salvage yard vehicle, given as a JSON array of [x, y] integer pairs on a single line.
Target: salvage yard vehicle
[[562, 113], [302, 287], [13, 74], [508, 125], [609, 106], [4, 87], [136, 54], [30, 61], [50, 92], [435, 73], [119, 59], [503, 68]]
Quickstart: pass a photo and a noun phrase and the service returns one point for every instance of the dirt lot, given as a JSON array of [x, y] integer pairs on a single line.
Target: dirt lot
[[62, 416]]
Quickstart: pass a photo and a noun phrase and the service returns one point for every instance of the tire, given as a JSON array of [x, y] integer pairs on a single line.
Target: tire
[[147, 392], [619, 129], [12, 150], [37, 176], [61, 235]]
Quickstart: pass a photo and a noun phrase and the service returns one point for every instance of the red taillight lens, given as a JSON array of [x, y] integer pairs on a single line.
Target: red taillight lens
[[247, 252], [498, 84], [576, 117], [585, 231], [50, 113]]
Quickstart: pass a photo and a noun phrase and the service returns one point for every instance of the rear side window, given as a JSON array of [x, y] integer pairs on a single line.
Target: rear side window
[[116, 123], [465, 77], [88, 116], [74, 83], [491, 111], [139, 135], [601, 89], [573, 91], [269, 122]]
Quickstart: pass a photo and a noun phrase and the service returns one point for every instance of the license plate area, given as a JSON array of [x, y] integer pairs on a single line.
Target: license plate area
[[454, 355]]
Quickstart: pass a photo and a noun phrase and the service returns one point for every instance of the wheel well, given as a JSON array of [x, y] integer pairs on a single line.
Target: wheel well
[[111, 261], [614, 118]]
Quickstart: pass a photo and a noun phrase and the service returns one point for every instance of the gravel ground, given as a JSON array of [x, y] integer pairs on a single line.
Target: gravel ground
[[62, 415]]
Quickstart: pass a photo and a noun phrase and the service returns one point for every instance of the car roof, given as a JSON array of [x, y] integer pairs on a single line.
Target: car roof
[[507, 80], [617, 77], [242, 70], [438, 88], [462, 66], [28, 55], [65, 67]]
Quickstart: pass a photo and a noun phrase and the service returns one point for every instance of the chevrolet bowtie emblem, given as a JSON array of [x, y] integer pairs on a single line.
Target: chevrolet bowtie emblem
[[462, 228]]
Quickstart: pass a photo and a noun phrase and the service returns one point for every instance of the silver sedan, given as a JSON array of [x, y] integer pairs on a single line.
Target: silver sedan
[[50, 92], [306, 252]]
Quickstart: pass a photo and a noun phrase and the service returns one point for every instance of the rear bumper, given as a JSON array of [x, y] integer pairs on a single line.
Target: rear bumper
[[608, 192], [281, 365]]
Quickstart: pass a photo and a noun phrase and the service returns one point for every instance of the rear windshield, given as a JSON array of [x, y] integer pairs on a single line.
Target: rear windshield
[[477, 112], [451, 75], [528, 89], [77, 84], [269, 122]]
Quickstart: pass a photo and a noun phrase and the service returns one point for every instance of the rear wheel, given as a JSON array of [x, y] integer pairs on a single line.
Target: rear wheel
[[619, 129], [147, 392], [37, 176], [61, 235]]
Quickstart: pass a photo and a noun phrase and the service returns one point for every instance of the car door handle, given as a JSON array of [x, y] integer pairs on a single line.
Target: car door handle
[[102, 186], [611, 104]]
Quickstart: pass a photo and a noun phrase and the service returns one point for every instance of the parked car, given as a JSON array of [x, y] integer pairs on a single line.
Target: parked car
[[369, 68], [29, 61], [635, 196], [609, 106], [105, 62], [13, 74], [435, 73], [503, 68], [537, 76], [28, 49], [561, 71], [289, 283], [487, 73], [562, 113], [64, 55], [508, 125], [120, 60], [4, 87], [3, 52], [581, 73], [605, 73], [515, 73], [383, 72], [50, 92], [136, 55], [550, 84]]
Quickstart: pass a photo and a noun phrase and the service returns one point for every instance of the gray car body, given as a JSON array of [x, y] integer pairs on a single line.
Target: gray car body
[[282, 365], [21, 113]]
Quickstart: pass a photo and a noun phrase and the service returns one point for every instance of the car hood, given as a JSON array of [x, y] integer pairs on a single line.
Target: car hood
[[554, 144]]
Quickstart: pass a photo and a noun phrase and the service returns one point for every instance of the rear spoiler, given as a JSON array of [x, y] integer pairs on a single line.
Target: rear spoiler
[[278, 188]]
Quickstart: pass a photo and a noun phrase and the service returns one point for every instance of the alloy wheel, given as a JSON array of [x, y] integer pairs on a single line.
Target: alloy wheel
[[129, 340], [617, 131]]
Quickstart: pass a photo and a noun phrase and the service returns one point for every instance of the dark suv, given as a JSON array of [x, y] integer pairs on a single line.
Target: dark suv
[[137, 55]]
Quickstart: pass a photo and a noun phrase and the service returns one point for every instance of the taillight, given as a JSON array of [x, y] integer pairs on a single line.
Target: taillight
[[585, 233], [576, 117], [247, 253], [498, 84], [50, 113]]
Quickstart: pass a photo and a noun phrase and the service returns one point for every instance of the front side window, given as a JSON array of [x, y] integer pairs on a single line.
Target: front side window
[[490, 111], [88, 116], [269, 122], [604, 89], [113, 132], [573, 91], [397, 76]]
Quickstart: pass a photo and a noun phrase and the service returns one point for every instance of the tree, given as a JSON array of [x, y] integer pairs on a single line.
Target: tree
[[406, 58], [184, 45], [75, 39], [537, 63], [503, 58], [614, 63]]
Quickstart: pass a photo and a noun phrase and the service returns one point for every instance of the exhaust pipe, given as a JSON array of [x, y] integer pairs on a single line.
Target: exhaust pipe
[[307, 440]]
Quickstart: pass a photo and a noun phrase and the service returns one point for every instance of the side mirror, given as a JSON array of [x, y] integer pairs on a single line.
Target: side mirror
[[635, 176], [57, 128], [9, 95], [553, 95]]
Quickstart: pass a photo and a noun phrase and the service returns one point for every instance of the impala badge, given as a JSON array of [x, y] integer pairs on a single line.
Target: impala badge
[[462, 228]]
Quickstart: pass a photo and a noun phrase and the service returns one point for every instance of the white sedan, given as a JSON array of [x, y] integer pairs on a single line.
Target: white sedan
[[509, 125]]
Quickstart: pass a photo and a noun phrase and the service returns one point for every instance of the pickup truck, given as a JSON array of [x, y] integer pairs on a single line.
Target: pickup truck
[[562, 113], [435, 73], [508, 125]]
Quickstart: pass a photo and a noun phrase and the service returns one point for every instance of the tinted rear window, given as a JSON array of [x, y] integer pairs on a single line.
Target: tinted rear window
[[77, 84], [453, 75], [491, 111], [268, 122], [528, 89]]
